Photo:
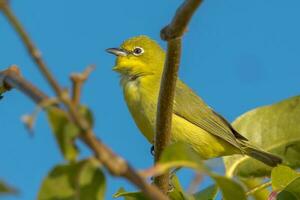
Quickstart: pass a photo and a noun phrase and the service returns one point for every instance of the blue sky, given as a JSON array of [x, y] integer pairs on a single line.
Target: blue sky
[[237, 55]]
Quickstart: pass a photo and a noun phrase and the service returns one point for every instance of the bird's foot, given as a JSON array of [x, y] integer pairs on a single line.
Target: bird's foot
[[152, 150]]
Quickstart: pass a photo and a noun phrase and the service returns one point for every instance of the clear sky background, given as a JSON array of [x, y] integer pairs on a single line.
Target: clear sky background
[[238, 55]]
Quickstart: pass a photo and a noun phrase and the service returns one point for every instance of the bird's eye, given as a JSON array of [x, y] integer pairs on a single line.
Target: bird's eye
[[137, 51]]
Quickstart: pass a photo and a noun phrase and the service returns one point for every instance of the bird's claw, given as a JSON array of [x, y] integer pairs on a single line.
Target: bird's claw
[[152, 151]]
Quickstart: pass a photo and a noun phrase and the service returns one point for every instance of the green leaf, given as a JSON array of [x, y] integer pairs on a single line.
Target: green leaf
[[229, 188], [176, 155], [65, 132], [291, 191], [3, 90], [286, 196], [287, 182], [182, 155], [129, 195], [276, 129], [209, 193], [179, 155], [5, 189], [176, 192], [281, 176], [81, 180], [250, 183]]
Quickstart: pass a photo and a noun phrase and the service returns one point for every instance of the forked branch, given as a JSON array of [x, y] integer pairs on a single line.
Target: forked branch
[[77, 82], [117, 166], [10, 79]]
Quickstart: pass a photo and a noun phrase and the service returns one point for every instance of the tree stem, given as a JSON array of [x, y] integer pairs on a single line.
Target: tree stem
[[172, 33]]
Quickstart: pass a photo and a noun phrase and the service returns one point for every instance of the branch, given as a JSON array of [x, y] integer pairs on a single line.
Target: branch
[[172, 33], [32, 50], [180, 21], [165, 107], [11, 78], [78, 80], [117, 166]]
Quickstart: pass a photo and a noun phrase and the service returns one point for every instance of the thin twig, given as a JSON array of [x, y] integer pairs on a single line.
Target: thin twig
[[78, 80], [10, 78], [62, 95], [116, 165], [259, 187], [171, 33], [32, 50]]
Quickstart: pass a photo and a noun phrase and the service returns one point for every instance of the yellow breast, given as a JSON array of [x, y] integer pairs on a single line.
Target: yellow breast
[[141, 98]]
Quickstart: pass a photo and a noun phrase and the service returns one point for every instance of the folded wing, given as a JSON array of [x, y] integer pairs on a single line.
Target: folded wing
[[192, 108]]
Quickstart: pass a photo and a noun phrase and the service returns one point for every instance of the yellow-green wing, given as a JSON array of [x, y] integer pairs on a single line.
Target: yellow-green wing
[[192, 108]]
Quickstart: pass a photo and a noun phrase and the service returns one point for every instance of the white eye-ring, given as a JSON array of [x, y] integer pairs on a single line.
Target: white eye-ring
[[137, 51]]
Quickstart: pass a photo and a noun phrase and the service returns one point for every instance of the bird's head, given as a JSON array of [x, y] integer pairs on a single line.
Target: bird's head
[[138, 56]]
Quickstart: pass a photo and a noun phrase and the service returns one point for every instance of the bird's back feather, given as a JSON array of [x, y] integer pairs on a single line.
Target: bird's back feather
[[196, 111]]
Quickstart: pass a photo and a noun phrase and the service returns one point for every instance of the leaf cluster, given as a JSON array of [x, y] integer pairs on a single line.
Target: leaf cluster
[[274, 128]]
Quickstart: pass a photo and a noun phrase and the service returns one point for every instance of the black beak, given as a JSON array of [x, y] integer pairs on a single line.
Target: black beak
[[117, 51]]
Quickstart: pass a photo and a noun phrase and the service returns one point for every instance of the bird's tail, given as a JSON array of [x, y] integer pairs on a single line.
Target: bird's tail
[[263, 156]]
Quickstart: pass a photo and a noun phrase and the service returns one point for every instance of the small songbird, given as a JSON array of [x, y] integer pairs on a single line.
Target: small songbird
[[140, 62]]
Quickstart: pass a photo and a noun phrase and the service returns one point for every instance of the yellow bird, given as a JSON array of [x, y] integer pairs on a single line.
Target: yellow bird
[[140, 62]]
